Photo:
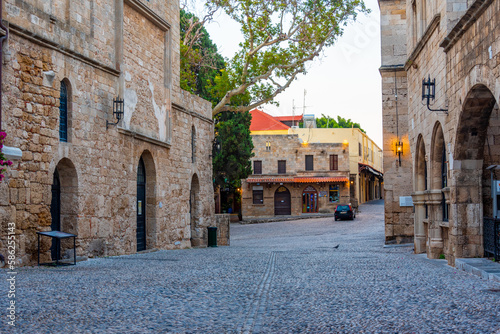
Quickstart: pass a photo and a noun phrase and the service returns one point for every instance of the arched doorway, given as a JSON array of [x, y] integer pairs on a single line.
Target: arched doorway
[[282, 202], [421, 209], [194, 212], [309, 200], [64, 205], [146, 202], [141, 206], [475, 150]]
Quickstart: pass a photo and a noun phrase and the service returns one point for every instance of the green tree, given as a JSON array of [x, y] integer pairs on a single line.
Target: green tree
[[200, 61], [231, 161], [280, 37], [340, 122]]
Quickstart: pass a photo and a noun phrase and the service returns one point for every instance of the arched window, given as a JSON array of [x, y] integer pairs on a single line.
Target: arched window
[[63, 113], [193, 144]]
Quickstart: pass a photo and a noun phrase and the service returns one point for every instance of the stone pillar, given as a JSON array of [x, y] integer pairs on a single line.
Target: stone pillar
[[433, 200], [419, 226], [466, 235]]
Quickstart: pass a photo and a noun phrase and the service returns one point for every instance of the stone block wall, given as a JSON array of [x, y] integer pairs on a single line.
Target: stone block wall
[[98, 165], [397, 169], [223, 229]]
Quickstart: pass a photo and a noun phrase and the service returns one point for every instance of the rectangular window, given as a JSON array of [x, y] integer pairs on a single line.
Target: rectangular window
[[309, 162], [258, 196], [360, 149], [334, 193], [334, 162], [257, 167], [281, 166]]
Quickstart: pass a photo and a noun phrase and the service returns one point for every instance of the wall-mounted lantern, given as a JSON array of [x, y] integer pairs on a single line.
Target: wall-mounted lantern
[[118, 107], [429, 93], [399, 151]]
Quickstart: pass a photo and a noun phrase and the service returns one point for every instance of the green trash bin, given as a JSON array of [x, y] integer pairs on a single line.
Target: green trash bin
[[212, 236]]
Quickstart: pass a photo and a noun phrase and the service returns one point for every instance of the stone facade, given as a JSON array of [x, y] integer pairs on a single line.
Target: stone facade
[[455, 140], [100, 50], [397, 168], [295, 180]]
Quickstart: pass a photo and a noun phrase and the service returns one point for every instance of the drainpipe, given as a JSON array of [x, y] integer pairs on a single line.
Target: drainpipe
[[2, 39]]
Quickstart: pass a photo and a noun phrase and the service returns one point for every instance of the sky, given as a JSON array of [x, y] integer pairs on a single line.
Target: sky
[[344, 82]]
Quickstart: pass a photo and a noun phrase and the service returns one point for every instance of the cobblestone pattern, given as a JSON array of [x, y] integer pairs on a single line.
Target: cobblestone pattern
[[281, 277]]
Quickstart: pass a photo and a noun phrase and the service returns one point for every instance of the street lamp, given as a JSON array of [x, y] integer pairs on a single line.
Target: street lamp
[[118, 107], [429, 93]]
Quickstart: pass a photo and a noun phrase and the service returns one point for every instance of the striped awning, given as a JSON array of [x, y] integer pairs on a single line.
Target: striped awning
[[325, 179]]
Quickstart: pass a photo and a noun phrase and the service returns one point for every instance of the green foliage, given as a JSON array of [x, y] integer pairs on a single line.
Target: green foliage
[[279, 38], [232, 162], [200, 61], [327, 122], [442, 257]]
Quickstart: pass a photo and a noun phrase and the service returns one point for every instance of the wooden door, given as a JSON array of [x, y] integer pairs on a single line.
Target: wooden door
[[141, 206], [282, 202]]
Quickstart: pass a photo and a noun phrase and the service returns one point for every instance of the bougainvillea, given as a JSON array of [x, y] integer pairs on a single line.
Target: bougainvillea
[[3, 160]]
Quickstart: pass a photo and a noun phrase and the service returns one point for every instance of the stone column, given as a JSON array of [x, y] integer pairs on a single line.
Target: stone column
[[419, 226]]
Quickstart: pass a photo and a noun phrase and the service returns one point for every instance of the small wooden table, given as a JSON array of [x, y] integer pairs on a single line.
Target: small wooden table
[[57, 235]]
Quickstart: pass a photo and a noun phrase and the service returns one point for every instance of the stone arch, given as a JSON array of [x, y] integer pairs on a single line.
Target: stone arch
[[194, 212], [64, 206], [65, 110], [439, 164], [150, 198], [420, 165], [470, 188], [473, 123]]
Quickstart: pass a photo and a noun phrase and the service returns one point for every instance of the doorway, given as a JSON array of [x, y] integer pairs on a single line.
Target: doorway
[[282, 202], [141, 206], [309, 200]]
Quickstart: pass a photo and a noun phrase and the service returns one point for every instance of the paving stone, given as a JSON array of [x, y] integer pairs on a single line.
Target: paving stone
[[279, 277]]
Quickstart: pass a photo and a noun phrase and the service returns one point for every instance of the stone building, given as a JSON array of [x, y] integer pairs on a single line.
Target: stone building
[[452, 58], [291, 177], [398, 185], [141, 184], [365, 157]]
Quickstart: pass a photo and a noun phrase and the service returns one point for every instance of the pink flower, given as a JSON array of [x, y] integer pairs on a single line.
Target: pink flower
[[3, 135], [1, 177], [9, 162]]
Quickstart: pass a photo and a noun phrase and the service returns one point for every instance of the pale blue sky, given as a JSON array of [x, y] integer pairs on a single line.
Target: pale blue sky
[[345, 82]]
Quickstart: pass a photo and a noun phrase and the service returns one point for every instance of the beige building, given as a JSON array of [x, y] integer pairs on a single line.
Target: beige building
[[452, 118], [291, 177], [143, 183], [365, 159]]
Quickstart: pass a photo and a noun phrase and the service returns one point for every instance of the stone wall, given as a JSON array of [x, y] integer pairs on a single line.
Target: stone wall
[[223, 229], [397, 169], [455, 138], [103, 57]]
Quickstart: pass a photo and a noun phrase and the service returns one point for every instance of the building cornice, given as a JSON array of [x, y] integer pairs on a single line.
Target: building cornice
[[143, 137], [391, 68], [149, 14], [423, 41], [467, 20], [180, 108], [44, 42]]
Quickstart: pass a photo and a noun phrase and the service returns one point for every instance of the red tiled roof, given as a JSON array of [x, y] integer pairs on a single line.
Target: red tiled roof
[[262, 122], [319, 179], [288, 118], [298, 180], [271, 179]]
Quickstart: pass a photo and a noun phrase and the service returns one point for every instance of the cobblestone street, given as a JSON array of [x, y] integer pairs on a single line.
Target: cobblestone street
[[281, 277]]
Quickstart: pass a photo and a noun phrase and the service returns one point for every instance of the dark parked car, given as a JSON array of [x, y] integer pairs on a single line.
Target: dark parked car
[[345, 212]]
